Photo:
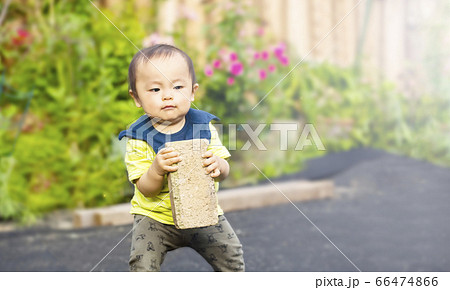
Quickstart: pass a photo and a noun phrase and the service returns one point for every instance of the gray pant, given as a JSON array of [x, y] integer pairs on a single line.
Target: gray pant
[[151, 240]]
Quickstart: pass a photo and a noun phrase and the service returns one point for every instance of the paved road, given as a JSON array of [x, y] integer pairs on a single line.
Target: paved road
[[390, 214]]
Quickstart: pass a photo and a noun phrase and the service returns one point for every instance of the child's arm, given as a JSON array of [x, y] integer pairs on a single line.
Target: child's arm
[[215, 166], [152, 181]]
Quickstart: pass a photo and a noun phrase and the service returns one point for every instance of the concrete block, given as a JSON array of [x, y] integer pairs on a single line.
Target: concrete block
[[192, 192], [114, 215], [84, 218], [107, 216], [269, 194]]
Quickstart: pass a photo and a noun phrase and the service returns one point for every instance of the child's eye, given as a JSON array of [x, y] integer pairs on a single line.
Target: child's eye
[[154, 90], [178, 87]]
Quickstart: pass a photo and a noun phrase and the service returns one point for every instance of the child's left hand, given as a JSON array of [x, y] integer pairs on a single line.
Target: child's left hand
[[212, 164]]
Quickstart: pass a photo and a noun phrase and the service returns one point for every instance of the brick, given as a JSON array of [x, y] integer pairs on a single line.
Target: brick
[[192, 192]]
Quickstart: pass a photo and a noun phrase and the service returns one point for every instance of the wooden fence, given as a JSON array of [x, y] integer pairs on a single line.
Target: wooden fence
[[386, 33]]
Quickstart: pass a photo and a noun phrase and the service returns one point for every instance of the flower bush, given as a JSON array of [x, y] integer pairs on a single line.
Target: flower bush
[[237, 75], [235, 81], [258, 65]]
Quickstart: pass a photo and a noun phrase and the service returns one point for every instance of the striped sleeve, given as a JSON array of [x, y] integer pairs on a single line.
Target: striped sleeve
[[216, 145], [139, 157]]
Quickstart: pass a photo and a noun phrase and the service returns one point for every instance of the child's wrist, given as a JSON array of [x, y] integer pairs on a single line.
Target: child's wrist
[[156, 173]]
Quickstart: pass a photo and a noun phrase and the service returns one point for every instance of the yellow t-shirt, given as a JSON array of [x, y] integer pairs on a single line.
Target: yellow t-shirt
[[138, 158]]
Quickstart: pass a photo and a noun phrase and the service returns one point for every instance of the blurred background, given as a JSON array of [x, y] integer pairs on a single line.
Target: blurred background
[[371, 73]]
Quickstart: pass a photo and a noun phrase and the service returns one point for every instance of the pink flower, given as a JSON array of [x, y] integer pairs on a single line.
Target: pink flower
[[256, 55], [21, 37], [233, 56], [271, 68], [23, 33], [155, 38], [217, 63], [260, 31], [208, 71], [222, 52], [236, 68], [278, 52], [262, 74], [230, 81], [264, 55], [223, 55], [283, 60]]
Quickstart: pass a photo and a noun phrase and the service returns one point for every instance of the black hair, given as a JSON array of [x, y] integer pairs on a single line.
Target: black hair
[[148, 53]]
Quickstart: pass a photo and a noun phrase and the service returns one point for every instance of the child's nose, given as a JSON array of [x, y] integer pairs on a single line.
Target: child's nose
[[167, 96]]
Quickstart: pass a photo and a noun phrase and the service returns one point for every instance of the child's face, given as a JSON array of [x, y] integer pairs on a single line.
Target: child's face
[[164, 88]]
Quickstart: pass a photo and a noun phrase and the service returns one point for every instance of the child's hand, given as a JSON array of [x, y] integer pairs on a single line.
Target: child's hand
[[165, 160], [212, 164]]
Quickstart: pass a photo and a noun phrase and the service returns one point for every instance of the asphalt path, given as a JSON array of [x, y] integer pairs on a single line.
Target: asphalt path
[[390, 213]]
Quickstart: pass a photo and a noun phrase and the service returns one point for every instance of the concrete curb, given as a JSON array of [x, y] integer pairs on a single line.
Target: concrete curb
[[230, 200], [270, 194]]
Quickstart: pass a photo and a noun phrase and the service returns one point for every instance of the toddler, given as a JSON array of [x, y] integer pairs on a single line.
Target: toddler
[[162, 82]]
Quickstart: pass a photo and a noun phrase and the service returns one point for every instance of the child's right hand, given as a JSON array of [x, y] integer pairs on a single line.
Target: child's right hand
[[165, 161]]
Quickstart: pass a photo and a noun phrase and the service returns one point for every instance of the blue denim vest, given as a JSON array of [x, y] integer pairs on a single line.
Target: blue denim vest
[[195, 127]]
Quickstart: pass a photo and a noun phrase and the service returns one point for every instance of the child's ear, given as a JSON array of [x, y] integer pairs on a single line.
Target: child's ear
[[194, 89], [135, 99]]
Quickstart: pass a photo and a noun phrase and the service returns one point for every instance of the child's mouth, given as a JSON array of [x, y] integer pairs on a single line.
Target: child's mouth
[[168, 107]]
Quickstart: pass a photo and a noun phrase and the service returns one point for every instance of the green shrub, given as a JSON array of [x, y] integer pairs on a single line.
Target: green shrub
[[74, 62], [369, 115]]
